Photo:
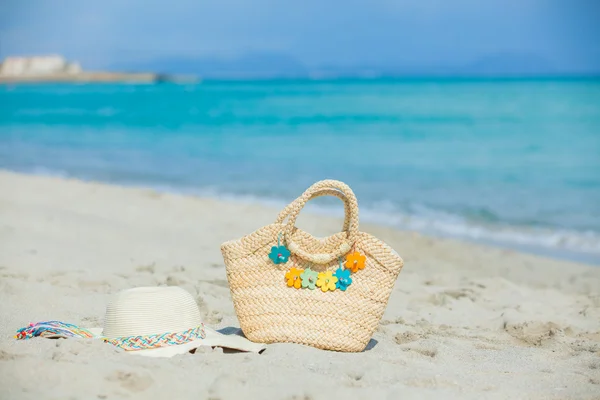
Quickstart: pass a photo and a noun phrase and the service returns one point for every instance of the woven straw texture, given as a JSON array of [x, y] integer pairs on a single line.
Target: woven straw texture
[[271, 312]]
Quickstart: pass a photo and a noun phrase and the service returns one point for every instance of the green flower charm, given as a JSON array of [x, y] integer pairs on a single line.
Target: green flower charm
[[309, 278]]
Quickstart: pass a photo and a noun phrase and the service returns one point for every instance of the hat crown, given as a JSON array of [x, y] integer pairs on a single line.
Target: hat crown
[[150, 311]]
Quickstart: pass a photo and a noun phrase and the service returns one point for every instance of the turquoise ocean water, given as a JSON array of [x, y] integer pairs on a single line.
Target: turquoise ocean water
[[511, 162]]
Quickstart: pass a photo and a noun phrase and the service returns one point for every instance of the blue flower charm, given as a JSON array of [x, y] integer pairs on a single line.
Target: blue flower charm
[[279, 254], [344, 279]]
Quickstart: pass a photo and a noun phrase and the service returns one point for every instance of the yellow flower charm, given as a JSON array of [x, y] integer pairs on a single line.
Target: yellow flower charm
[[326, 281], [355, 261], [293, 278]]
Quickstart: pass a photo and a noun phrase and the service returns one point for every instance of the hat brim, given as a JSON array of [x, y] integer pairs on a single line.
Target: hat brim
[[212, 339]]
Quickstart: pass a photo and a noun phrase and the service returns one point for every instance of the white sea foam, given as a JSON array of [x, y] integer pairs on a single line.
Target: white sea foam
[[446, 224], [457, 226], [583, 245]]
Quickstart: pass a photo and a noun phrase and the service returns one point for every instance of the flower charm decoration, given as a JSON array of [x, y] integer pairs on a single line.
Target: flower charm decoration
[[279, 254], [309, 278], [343, 279], [355, 261], [293, 277], [326, 281]]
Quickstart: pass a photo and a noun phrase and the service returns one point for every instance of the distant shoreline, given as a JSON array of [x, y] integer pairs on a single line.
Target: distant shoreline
[[556, 254], [120, 77], [96, 77]]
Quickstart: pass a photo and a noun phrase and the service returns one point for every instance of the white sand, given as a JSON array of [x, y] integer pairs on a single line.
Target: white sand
[[464, 321]]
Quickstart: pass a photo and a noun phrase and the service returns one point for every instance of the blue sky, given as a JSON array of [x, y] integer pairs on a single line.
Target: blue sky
[[566, 33]]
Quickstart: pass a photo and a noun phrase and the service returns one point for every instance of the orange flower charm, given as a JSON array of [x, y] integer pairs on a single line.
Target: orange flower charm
[[293, 277], [355, 261]]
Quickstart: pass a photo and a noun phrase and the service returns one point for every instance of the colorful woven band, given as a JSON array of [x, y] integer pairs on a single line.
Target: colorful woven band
[[52, 328], [131, 343], [58, 328]]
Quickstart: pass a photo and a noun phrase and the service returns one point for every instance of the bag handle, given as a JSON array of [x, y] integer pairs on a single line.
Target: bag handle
[[351, 214], [319, 193]]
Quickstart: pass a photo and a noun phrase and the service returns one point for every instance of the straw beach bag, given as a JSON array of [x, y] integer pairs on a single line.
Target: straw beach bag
[[288, 286]]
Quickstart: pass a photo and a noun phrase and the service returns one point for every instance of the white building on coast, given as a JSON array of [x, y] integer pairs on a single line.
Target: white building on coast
[[37, 66]]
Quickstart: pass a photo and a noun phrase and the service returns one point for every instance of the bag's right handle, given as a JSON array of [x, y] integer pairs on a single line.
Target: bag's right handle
[[351, 214]]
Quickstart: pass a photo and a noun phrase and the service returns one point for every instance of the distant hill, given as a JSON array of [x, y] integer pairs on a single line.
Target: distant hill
[[509, 64], [274, 65], [492, 65], [249, 65]]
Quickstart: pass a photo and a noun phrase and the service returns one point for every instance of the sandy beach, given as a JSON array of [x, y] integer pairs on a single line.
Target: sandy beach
[[464, 321]]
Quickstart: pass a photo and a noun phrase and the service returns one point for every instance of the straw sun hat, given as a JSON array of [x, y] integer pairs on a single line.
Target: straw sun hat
[[149, 321]]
